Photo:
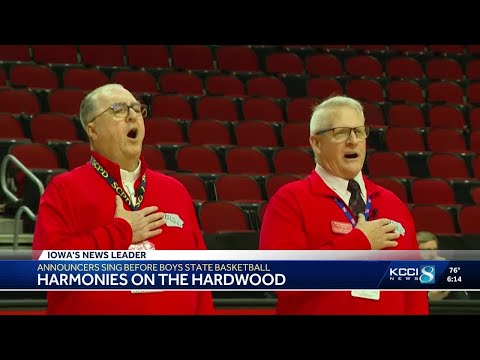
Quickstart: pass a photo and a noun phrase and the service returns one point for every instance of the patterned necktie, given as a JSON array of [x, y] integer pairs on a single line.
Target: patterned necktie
[[356, 203]]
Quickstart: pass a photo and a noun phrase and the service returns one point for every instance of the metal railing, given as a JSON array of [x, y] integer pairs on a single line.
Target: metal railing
[[12, 197]]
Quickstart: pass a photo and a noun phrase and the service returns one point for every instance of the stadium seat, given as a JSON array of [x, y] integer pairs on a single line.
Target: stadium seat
[[77, 154], [475, 141], [3, 79], [211, 132], [220, 216], [446, 140], [11, 127], [472, 92], [153, 157], [53, 126], [472, 71], [476, 195], [192, 57], [35, 157], [15, 53], [404, 67], [365, 89], [136, 81], [55, 54], [256, 133], [369, 48], [468, 219], [446, 116], [262, 109], [473, 49], [228, 85], [231, 58], [160, 130], [300, 110], [432, 191], [433, 218], [102, 55], [404, 139], [293, 161], [181, 83], [65, 101], [406, 115], [33, 76], [17, 101], [394, 184], [42, 161], [445, 91], [476, 166], [247, 160], [284, 63], [296, 135], [198, 159], [408, 48], [322, 88], [387, 164], [374, 115], [148, 56], [474, 117], [276, 181], [324, 65], [406, 91], [217, 108], [173, 106], [447, 49], [443, 69], [239, 188], [447, 166], [363, 66], [84, 79], [194, 184], [266, 86]]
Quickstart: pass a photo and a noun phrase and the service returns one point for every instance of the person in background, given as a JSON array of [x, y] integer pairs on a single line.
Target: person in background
[[337, 208], [428, 242], [114, 202]]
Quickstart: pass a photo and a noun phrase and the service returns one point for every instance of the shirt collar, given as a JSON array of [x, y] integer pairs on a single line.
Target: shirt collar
[[113, 168], [338, 184], [131, 176]]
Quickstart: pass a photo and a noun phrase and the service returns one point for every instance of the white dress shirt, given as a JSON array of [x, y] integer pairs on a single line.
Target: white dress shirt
[[339, 185], [128, 181]]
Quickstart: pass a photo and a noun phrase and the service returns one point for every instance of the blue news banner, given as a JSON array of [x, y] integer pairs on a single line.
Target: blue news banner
[[237, 274]]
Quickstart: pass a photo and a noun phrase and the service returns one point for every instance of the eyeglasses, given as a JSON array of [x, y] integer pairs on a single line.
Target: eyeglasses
[[343, 133], [121, 110]]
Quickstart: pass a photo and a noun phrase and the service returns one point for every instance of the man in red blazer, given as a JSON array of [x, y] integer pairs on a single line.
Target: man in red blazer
[[115, 202], [337, 208]]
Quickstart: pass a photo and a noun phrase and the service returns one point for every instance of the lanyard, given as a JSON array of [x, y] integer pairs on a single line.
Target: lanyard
[[140, 192], [348, 214]]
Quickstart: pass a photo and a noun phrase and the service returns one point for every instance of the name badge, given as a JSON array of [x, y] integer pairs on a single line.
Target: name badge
[[144, 245], [367, 294], [145, 291], [339, 227], [173, 220], [399, 229]]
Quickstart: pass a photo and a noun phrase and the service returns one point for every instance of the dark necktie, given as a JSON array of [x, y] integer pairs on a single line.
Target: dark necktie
[[356, 203]]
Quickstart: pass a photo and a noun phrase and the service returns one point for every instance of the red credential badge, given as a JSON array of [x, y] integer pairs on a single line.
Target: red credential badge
[[339, 227]]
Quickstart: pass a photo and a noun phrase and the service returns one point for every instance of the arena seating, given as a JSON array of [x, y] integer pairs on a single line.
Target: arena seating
[[236, 117]]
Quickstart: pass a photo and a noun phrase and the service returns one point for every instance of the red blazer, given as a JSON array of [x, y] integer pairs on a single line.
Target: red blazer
[[77, 213], [299, 216]]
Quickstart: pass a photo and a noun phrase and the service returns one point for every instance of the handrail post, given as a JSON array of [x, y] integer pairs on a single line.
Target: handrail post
[[12, 197]]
